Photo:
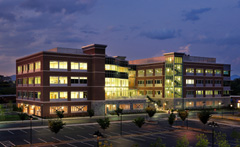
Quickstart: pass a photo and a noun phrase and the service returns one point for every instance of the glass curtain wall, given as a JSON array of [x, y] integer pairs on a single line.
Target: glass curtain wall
[[173, 77]]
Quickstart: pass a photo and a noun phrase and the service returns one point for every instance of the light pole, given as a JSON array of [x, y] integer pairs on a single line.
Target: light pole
[[97, 134], [222, 109], [213, 125], [42, 112], [187, 118], [203, 104], [232, 108], [30, 129], [121, 124]]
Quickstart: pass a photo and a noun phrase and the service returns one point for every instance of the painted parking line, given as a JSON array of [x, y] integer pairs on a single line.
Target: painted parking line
[[148, 137], [56, 139], [137, 138], [113, 141], [89, 127], [36, 130], [69, 128], [87, 144], [42, 140], [71, 145], [138, 131], [126, 132], [23, 131], [69, 137], [126, 139], [26, 141], [159, 135], [7, 143], [10, 132], [80, 127], [82, 136], [114, 133]]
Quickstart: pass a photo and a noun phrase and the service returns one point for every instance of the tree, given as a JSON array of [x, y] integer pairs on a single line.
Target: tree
[[182, 142], [60, 114], [158, 143], [236, 136], [23, 116], [140, 121], [235, 87], [221, 140], [104, 123], [204, 116], [171, 118], [55, 125], [118, 111], [202, 141], [2, 113], [183, 115], [90, 112], [151, 111]]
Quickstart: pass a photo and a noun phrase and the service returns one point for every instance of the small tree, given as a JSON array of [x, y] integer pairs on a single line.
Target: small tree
[[104, 123], [236, 136], [55, 125], [221, 140], [90, 113], [118, 111], [204, 116], [2, 113], [182, 142], [158, 143], [202, 140], [60, 114], [23, 116], [171, 118], [183, 115], [140, 121], [151, 111]]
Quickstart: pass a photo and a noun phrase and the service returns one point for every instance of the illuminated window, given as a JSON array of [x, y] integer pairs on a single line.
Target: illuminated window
[[63, 65], [63, 95], [190, 104], [37, 111], [158, 71], [58, 64], [217, 71], [53, 64], [20, 81], [209, 103], [178, 60], [30, 80], [19, 69], [30, 94], [25, 94], [25, 81], [208, 92], [110, 107], [190, 93], [78, 94], [217, 92], [53, 95], [63, 80], [158, 83], [124, 106], [138, 106], [199, 103], [149, 92], [25, 68], [190, 70], [149, 72], [169, 60], [37, 66], [53, 80], [158, 93], [149, 83], [199, 92], [37, 95], [141, 92], [31, 67], [75, 65], [190, 81], [37, 80], [140, 73], [79, 109], [226, 73], [53, 109], [83, 66], [209, 71], [199, 71]]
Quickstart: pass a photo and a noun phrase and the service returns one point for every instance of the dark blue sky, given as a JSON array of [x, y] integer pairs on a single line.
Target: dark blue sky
[[133, 28]]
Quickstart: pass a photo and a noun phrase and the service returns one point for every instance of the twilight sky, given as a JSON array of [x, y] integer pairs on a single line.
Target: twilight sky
[[133, 28]]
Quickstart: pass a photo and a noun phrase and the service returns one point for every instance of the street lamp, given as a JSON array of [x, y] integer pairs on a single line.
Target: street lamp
[[98, 135], [203, 104], [232, 108], [121, 123], [187, 117], [222, 109], [213, 125], [30, 129]]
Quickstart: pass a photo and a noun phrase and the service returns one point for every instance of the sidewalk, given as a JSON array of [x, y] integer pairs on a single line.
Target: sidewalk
[[228, 117]]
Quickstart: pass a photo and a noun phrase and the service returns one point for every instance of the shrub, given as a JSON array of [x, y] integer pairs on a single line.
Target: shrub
[[139, 121], [151, 111], [221, 140], [183, 115], [55, 125], [182, 142], [171, 119], [118, 111], [60, 114], [236, 136], [158, 143], [90, 113], [202, 140], [204, 116], [23, 116], [104, 123]]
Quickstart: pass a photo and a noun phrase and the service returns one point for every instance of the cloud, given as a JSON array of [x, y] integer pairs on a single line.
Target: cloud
[[185, 49], [162, 34], [57, 6], [193, 15]]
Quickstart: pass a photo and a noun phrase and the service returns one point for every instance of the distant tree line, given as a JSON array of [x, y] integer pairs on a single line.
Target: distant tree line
[[235, 87]]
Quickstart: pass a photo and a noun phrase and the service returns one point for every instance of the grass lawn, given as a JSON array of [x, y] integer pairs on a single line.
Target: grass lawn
[[12, 117]]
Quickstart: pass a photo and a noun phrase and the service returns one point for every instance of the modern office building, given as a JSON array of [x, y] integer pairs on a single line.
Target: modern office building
[[75, 80]]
